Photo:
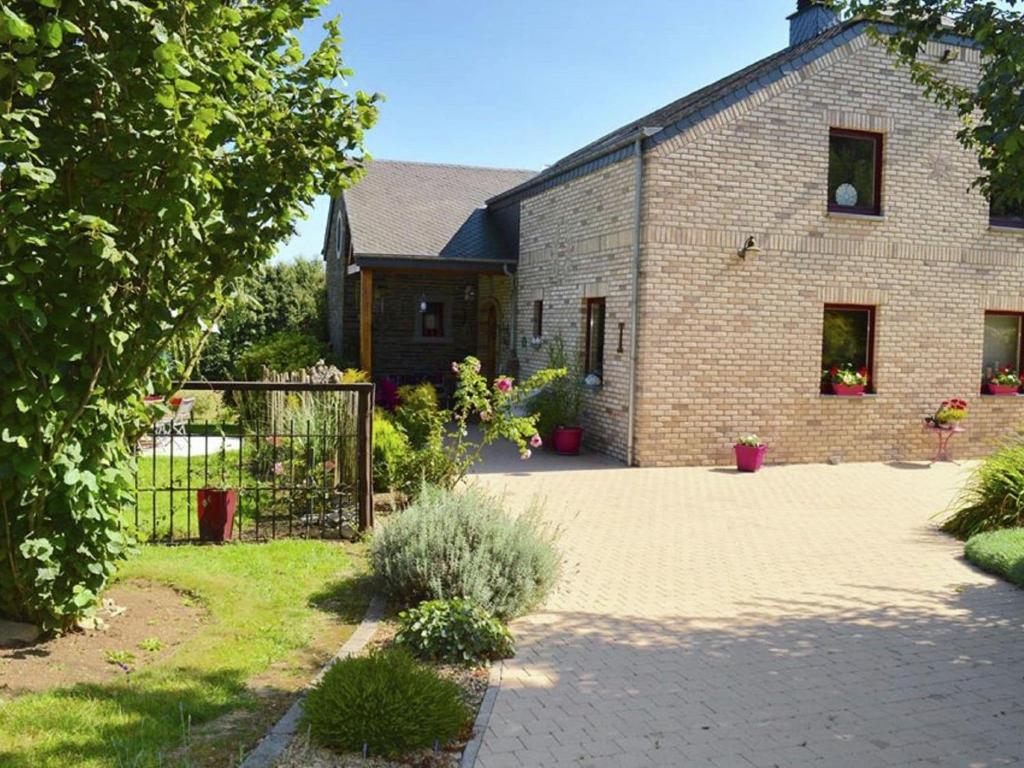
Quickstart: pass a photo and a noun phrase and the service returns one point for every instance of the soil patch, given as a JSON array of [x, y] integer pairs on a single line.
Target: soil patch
[[142, 623]]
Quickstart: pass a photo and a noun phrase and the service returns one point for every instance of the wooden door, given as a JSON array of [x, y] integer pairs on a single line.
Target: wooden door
[[489, 341]]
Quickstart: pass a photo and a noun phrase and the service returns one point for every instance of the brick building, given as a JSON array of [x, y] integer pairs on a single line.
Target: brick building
[[811, 210]]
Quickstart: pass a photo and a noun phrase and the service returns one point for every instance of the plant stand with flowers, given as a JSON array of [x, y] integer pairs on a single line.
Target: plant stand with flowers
[[945, 423], [845, 381]]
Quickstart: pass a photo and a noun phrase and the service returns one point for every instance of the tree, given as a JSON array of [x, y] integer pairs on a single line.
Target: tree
[[289, 296], [990, 109], [150, 154]]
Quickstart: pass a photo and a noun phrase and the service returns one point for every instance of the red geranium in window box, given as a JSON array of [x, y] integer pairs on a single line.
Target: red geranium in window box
[[845, 381], [1005, 381]]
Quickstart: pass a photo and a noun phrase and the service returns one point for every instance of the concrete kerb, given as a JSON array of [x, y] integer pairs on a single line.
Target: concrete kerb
[[273, 745], [483, 717]]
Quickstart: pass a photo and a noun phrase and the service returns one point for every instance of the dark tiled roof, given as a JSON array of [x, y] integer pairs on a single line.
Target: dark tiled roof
[[705, 102], [415, 210]]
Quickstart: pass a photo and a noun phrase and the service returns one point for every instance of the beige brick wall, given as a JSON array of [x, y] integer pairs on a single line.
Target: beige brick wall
[[727, 346]]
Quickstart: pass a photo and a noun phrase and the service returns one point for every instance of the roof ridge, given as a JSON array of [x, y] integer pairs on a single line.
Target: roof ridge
[[464, 166]]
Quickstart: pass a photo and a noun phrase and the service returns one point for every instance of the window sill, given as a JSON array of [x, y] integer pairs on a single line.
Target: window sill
[[855, 216], [997, 397], [432, 339], [1006, 229], [865, 396]]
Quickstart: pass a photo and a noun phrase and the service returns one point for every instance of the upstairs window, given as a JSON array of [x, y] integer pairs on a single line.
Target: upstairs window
[[538, 319], [848, 342], [432, 320], [1005, 213], [594, 349], [855, 172], [1004, 343]]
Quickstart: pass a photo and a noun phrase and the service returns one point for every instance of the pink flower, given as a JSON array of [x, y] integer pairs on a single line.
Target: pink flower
[[526, 454], [504, 384], [536, 442], [455, 367], [485, 415], [329, 465], [274, 440], [279, 468]]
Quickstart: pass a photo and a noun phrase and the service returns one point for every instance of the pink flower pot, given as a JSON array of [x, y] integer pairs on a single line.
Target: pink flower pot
[[216, 513], [847, 390], [1001, 389], [567, 440], [749, 458]]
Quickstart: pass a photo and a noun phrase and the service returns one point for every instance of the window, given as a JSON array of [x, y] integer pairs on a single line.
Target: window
[[1004, 346], [594, 351], [855, 172], [538, 319], [1003, 212], [432, 320], [848, 340]]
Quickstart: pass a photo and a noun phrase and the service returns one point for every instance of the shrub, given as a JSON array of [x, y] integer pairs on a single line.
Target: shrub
[[285, 351], [454, 632], [392, 455], [999, 552], [448, 545], [388, 702], [209, 406], [560, 402], [419, 414], [994, 496]]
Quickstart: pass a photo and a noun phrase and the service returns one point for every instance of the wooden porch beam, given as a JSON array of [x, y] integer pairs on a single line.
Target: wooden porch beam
[[366, 320]]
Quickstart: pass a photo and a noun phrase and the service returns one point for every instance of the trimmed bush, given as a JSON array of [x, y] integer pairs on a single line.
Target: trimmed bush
[[387, 701], [419, 414], [392, 455], [994, 496], [454, 631], [462, 544], [999, 552], [284, 352]]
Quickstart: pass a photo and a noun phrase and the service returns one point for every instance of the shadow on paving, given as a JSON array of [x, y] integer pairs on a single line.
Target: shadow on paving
[[912, 677]]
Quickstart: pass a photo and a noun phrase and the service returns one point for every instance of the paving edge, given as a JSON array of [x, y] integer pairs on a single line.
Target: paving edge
[[281, 734], [483, 717]]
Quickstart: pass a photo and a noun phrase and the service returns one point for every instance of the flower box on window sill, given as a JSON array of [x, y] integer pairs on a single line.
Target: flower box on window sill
[[1001, 389], [847, 390]]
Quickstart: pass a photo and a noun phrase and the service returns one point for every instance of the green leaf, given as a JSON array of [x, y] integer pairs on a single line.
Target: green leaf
[[72, 476], [34, 172], [71, 28], [53, 33], [16, 26], [186, 86], [47, 3], [165, 96]]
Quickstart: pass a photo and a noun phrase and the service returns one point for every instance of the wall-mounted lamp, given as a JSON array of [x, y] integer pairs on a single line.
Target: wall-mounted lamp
[[469, 293], [949, 55], [423, 302], [749, 251]]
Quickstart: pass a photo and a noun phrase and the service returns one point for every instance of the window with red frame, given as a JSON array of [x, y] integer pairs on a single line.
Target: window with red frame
[[855, 172], [1004, 343], [432, 320], [848, 341]]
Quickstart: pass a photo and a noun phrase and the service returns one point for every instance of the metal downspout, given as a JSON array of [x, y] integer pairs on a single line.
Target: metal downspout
[[634, 327]]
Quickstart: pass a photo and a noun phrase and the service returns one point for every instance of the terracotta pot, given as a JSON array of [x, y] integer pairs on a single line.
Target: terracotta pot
[[567, 440], [1001, 389], [847, 390], [749, 458], [216, 513]]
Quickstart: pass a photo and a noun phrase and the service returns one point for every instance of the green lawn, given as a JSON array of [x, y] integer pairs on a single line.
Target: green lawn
[[275, 611], [999, 552]]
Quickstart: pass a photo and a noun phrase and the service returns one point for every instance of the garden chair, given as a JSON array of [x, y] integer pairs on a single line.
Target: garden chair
[[182, 416]]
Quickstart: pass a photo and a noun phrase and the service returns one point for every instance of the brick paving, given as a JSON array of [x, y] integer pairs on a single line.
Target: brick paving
[[803, 616]]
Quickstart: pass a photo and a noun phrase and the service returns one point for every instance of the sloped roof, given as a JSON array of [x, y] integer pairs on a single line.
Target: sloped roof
[[426, 210], [701, 104]]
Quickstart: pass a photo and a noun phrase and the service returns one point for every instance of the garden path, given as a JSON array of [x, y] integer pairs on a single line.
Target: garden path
[[802, 616]]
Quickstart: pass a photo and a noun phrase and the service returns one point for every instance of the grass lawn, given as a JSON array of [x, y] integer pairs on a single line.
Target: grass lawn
[[999, 552], [275, 612]]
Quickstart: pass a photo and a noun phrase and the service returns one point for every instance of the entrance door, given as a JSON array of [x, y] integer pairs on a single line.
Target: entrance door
[[489, 341]]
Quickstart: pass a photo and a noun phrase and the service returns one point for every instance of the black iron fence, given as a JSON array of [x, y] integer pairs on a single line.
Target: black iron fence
[[295, 460]]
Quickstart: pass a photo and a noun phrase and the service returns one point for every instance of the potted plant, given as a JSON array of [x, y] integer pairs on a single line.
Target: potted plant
[[559, 404], [1005, 381], [750, 453], [845, 381], [216, 507], [949, 414]]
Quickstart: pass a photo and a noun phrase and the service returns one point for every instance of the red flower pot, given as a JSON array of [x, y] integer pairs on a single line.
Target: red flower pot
[[847, 390], [567, 440], [216, 513], [749, 458], [1001, 389]]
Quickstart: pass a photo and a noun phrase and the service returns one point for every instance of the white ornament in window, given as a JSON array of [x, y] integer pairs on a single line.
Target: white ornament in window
[[846, 195]]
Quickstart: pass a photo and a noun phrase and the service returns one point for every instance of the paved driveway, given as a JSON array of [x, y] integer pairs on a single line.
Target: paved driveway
[[806, 615]]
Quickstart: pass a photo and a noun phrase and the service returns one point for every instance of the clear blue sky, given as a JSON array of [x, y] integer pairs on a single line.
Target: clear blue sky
[[520, 83]]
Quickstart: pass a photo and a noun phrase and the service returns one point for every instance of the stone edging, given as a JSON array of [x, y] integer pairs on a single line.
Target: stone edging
[[483, 717], [281, 734]]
